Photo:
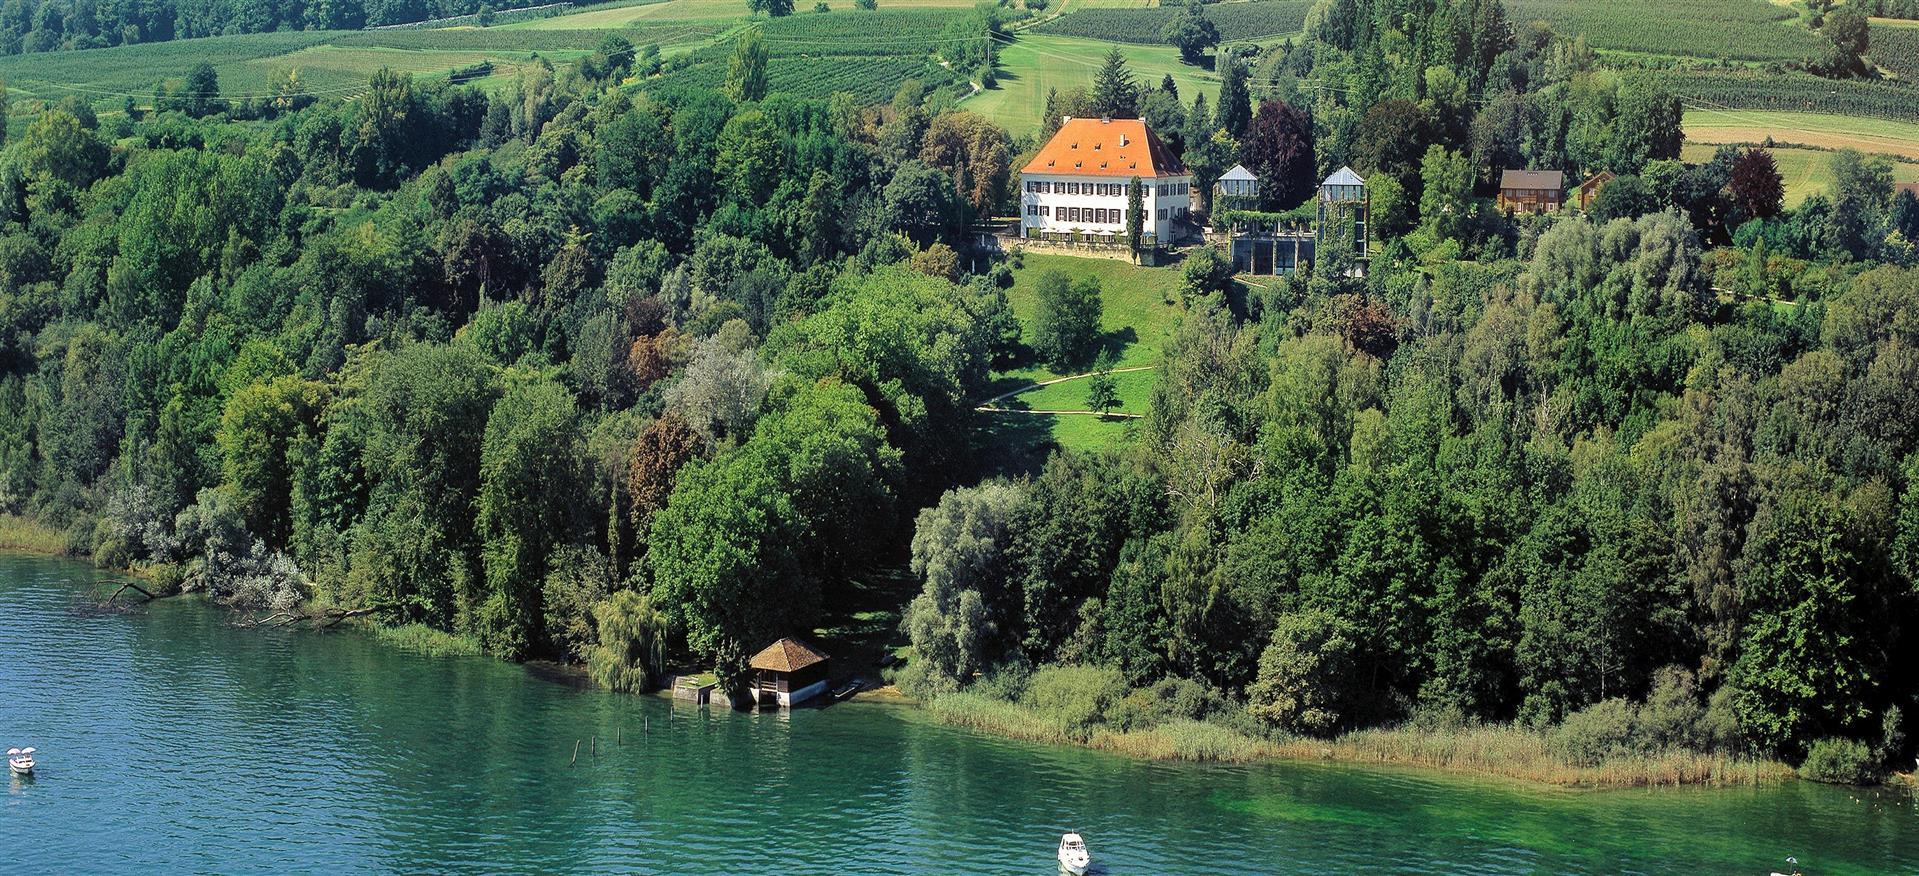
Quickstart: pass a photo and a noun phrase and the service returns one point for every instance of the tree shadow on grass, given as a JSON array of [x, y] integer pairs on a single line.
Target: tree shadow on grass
[[1113, 344], [1010, 445]]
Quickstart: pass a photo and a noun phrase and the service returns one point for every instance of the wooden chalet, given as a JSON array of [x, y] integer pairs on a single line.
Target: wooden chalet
[[789, 672], [1589, 190], [1532, 191]]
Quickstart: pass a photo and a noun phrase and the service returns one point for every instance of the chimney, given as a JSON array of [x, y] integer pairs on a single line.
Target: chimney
[[1064, 119], [1105, 119]]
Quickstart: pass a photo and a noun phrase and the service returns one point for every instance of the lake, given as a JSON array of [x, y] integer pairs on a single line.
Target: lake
[[172, 741]]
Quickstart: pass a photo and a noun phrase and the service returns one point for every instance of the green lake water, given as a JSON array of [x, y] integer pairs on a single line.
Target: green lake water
[[173, 742]]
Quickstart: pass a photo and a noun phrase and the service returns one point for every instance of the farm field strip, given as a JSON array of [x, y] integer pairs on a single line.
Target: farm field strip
[[1713, 125]]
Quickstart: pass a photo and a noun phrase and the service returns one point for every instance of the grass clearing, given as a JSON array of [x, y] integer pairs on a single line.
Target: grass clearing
[[1805, 171], [1135, 390], [1137, 306], [1036, 62], [1136, 317], [1826, 131]]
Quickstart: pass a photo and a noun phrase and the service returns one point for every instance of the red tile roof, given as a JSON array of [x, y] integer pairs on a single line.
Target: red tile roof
[[1101, 147], [787, 655]]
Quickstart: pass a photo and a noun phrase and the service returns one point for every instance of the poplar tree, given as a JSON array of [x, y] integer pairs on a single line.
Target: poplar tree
[[1235, 104], [1135, 214], [746, 75]]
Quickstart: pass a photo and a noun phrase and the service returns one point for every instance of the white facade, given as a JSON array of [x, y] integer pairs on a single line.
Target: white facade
[[1096, 205]]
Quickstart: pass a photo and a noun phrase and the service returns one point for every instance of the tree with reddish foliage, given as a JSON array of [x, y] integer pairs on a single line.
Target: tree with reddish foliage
[[665, 446], [1757, 188], [651, 358], [1366, 324], [1278, 149]]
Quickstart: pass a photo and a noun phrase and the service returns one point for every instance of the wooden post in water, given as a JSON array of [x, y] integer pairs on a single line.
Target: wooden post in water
[[576, 753], [596, 746], [619, 737]]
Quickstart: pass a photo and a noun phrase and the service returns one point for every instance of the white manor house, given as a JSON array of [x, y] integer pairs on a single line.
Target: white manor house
[[1075, 188]]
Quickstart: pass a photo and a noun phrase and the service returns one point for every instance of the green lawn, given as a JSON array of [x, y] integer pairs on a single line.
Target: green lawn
[[1805, 171], [1137, 305], [1037, 62], [1137, 316]]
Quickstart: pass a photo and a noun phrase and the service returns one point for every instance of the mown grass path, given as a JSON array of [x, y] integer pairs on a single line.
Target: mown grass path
[[991, 405]]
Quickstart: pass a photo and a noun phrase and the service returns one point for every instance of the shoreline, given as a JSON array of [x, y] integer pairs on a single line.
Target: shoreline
[[1487, 751]]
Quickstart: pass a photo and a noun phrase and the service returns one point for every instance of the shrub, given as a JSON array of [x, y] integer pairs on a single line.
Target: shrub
[[1672, 716], [1075, 699], [1839, 761], [1304, 683], [1595, 733]]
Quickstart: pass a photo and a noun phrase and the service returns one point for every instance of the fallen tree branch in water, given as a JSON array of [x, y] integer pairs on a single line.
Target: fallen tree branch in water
[[124, 585]]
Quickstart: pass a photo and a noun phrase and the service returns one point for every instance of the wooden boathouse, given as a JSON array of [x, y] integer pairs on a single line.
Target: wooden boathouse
[[789, 672]]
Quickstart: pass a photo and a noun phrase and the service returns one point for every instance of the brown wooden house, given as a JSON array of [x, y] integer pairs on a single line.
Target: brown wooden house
[[1589, 189], [1532, 191], [788, 672]]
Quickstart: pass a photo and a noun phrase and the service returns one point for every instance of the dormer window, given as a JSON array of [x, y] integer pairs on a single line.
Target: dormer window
[[1096, 147]]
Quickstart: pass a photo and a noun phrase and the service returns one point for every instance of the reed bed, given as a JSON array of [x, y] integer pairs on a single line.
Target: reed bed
[[422, 639], [1173, 740], [30, 536], [1505, 751], [1517, 753]]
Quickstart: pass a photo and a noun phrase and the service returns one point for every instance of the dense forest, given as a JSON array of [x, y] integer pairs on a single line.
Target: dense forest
[[623, 374]]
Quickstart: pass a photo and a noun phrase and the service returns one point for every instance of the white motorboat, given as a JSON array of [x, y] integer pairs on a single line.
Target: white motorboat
[[20, 761], [1073, 857]]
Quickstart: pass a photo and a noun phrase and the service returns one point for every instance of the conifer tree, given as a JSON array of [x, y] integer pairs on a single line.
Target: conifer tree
[[1115, 94]]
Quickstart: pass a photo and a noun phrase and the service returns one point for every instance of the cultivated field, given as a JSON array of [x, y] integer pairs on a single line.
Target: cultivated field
[[1036, 62], [1896, 50], [634, 14], [1806, 171], [1707, 125], [1236, 21], [1741, 30]]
